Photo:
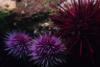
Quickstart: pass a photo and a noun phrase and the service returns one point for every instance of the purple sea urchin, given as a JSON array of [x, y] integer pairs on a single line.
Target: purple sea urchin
[[48, 50], [17, 43]]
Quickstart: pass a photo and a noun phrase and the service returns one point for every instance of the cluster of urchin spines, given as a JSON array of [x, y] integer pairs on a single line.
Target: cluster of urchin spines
[[18, 43], [45, 50], [48, 50], [80, 20]]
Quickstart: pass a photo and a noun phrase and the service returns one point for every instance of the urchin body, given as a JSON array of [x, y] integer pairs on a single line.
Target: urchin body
[[48, 50], [17, 43], [79, 20]]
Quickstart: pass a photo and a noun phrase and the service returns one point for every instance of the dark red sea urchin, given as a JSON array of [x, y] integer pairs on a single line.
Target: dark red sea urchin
[[79, 22]]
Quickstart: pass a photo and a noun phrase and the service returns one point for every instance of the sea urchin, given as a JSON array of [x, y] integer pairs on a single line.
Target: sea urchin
[[79, 19], [17, 43], [48, 50]]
